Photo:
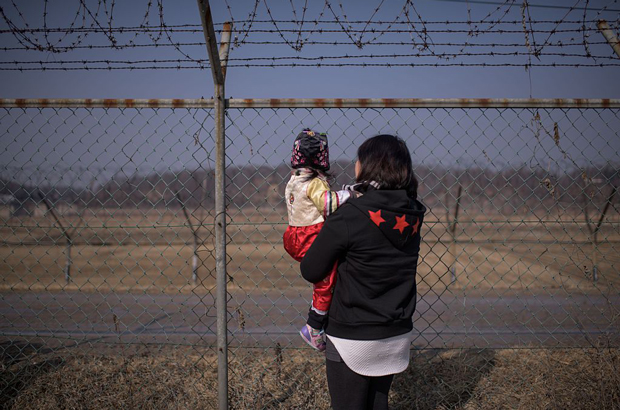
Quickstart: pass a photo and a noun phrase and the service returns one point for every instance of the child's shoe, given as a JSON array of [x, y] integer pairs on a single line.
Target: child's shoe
[[313, 337]]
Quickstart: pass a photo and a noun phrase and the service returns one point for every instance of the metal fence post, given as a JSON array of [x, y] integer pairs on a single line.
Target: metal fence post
[[218, 64], [220, 247], [609, 35]]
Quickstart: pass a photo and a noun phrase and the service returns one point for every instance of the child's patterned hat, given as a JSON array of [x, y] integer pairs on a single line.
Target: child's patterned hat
[[310, 150]]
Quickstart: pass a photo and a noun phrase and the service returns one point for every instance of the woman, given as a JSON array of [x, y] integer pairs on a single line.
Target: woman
[[375, 239]]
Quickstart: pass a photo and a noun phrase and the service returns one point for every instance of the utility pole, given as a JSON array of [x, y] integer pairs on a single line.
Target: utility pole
[[218, 61]]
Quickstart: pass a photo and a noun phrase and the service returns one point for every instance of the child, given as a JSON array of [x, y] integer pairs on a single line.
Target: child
[[309, 201]]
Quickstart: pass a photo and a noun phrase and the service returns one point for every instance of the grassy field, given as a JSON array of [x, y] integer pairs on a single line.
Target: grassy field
[[167, 378], [136, 252], [152, 252]]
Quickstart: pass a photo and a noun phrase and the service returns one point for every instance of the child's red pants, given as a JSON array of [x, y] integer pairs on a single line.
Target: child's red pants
[[297, 241]]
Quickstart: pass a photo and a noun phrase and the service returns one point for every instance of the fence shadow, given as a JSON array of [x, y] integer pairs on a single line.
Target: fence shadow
[[20, 369], [441, 378]]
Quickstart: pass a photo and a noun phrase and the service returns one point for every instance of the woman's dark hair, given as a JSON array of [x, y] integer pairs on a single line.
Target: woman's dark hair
[[386, 160]]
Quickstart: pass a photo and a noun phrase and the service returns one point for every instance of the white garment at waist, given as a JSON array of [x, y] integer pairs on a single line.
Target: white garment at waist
[[375, 357]]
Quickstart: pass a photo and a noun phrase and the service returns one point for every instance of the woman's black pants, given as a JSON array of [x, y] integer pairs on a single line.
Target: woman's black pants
[[352, 391]]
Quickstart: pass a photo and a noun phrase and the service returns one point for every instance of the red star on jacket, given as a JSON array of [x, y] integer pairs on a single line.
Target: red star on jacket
[[416, 226], [401, 224], [376, 217]]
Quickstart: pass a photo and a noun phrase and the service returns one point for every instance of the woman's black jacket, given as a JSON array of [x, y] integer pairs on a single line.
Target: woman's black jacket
[[375, 239]]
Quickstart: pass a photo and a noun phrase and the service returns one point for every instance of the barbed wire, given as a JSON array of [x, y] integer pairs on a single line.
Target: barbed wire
[[97, 17], [279, 31], [278, 58], [401, 43], [319, 65]]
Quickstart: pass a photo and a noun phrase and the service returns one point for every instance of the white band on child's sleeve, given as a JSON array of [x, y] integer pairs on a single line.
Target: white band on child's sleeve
[[343, 196], [320, 312]]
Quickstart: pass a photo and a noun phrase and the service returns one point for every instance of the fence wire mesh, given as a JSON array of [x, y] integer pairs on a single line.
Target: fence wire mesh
[[107, 240]]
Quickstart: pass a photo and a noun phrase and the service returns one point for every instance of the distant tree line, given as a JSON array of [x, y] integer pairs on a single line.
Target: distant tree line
[[510, 190]]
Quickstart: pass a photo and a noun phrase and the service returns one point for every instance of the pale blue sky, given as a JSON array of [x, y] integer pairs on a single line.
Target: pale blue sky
[[419, 82]]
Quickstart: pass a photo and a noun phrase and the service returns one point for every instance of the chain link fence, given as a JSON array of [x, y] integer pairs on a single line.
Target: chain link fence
[[108, 249]]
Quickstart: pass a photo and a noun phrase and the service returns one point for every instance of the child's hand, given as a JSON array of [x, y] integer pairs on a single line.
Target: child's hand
[[353, 190], [356, 194]]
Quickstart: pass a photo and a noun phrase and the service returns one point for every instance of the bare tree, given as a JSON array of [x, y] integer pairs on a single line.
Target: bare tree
[[592, 227]]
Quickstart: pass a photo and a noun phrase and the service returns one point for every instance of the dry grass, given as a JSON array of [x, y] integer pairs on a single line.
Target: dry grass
[[511, 379], [551, 379], [295, 379], [110, 382]]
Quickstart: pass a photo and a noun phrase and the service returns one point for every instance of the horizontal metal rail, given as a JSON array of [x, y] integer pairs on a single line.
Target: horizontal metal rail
[[422, 103], [315, 103], [104, 103]]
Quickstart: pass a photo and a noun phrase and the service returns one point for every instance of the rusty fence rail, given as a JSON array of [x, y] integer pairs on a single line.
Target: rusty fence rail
[[108, 220], [314, 103]]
